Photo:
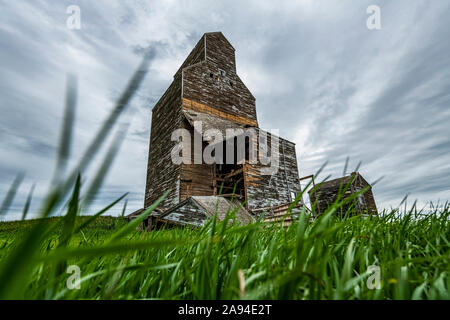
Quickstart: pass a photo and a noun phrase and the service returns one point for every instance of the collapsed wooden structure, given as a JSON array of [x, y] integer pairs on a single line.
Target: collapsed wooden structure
[[196, 210]]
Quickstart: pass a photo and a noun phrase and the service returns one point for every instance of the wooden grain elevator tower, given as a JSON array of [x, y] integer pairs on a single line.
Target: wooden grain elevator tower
[[207, 88]]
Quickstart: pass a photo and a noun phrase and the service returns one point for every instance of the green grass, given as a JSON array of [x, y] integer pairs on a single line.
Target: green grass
[[325, 259]]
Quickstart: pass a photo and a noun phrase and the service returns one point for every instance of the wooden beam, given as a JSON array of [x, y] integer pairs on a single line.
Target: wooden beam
[[226, 187], [245, 168], [200, 107], [308, 177], [230, 195], [233, 173]]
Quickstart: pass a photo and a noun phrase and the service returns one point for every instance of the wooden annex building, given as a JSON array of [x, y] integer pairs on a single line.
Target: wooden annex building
[[207, 88], [326, 193]]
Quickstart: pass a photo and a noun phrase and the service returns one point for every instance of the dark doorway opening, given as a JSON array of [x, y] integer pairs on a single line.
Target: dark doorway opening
[[229, 180]]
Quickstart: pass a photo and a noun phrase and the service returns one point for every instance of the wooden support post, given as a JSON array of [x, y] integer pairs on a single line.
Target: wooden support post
[[244, 167]]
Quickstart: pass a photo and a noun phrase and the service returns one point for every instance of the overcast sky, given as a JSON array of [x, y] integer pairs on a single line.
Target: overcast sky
[[319, 75]]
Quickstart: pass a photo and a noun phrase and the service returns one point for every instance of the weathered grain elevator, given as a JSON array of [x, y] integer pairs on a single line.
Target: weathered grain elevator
[[206, 89]]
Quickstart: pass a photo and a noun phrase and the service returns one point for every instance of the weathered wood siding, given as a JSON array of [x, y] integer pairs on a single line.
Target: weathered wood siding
[[195, 210], [196, 179], [162, 173], [220, 52], [273, 190], [369, 199], [207, 83], [186, 213], [326, 194], [202, 82], [279, 215]]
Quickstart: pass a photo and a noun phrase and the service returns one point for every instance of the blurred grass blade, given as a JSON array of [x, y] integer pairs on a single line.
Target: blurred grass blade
[[131, 226], [65, 139], [124, 209], [377, 181], [16, 268], [321, 169], [59, 192], [344, 172], [119, 108], [98, 214], [62, 254], [11, 194], [104, 168], [72, 212], [28, 203], [358, 166]]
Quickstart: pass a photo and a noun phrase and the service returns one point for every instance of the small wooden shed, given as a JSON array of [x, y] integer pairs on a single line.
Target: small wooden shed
[[325, 194]]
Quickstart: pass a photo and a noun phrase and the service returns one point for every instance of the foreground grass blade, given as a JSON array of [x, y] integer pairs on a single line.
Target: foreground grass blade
[[104, 168], [118, 110], [28, 202], [65, 139], [112, 248], [131, 226], [70, 217], [98, 214], [11, 194]]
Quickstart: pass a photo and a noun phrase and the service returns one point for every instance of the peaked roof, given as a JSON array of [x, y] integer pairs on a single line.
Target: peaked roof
[[204, 46], [338, 181], [219, 33]]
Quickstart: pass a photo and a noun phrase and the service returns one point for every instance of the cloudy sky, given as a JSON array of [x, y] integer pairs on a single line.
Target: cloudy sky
[[319, 75]]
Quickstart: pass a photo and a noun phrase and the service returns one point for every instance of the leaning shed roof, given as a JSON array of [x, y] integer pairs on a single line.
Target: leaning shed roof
[[195, 210], [336, 183]]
